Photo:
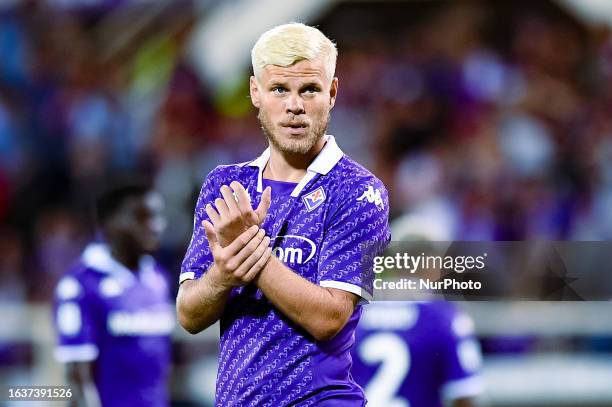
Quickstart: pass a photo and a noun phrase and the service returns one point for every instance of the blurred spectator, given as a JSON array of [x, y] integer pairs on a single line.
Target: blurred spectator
[[12, 287]]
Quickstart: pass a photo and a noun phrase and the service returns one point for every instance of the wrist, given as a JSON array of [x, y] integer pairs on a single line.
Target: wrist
[[217, 280], [265, 269]]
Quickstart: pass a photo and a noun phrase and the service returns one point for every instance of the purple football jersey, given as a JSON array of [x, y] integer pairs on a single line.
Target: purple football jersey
[[121, 321], [327, 228], [416, 354]]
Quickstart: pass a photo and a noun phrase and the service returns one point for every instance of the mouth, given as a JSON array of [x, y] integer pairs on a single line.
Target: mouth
[[295, 128]]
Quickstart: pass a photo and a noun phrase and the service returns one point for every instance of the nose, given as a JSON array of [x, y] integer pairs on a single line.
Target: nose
[[295, 105]]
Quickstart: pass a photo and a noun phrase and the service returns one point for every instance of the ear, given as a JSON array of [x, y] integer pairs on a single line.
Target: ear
[[333, 91], [254, 90]]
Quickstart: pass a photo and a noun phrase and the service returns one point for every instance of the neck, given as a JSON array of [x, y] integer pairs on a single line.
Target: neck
[[128, 258], [290, 167]]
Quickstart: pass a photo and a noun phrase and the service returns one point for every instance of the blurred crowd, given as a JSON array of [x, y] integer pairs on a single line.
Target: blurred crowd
[[487, 121], [484, 124]]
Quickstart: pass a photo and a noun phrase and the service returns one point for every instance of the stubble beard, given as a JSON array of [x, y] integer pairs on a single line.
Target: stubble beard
[[299, 146]]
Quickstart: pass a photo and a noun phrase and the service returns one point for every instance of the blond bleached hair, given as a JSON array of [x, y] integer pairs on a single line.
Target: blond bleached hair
[[286, 44]]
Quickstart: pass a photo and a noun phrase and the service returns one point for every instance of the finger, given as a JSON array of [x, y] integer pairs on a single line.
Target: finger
[[264, 204], [242, 240], [212, 214], [252, 257], [243, 256], [261, 263], [242, 196], [222, 208], [238, 258], [230, 200], [211, 235]]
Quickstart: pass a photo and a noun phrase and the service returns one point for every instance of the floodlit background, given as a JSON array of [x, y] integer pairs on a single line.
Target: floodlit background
[[486, 121]]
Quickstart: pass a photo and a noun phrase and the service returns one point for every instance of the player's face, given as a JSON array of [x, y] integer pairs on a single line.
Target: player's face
[[294, 104], [140, 222]]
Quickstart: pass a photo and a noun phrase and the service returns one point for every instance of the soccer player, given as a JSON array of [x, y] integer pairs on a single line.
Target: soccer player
[[113, 314], [417, 354], [287, 326]]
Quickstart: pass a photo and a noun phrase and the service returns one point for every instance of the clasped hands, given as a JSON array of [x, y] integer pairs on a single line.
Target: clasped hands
[[239, 247]]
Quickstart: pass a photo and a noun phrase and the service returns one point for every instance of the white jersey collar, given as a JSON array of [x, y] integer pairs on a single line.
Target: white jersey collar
[[327, 159], [97, 256]]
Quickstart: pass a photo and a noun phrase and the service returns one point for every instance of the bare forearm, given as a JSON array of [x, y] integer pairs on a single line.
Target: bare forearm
[[201, 302], [85, 393], [316, 309], [465, 402]]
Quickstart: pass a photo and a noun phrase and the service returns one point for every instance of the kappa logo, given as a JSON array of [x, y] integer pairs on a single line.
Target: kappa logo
[[314, 199], [372, 196]]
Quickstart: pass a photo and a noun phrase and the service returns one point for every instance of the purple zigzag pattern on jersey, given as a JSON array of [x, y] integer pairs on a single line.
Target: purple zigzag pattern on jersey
[[303, 350], [281, 208], [259, 397], [230, 333], [262, 359], [297, 390], [279, 372], [235, 354], [291, 379], [293, 396], [253, 370], [244, 361], [228, 350], [236, 345]]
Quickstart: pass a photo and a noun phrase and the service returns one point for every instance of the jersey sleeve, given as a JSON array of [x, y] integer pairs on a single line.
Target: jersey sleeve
[[76, 322], [356, 232], [198, 257], [462, 360]]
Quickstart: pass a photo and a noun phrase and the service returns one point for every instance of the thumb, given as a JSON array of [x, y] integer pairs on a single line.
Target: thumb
[[264, 204], [211, 235]]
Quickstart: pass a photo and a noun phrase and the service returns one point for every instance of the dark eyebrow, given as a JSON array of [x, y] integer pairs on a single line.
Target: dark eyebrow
[[309, 84], [306, 85]]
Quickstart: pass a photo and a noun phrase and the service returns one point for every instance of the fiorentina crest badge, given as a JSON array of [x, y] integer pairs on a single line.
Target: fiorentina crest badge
[[314, 199]]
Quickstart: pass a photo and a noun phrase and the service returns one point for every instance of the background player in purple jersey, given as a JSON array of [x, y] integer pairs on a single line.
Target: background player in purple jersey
[[113, 314], [286, 329], [420, 354]]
